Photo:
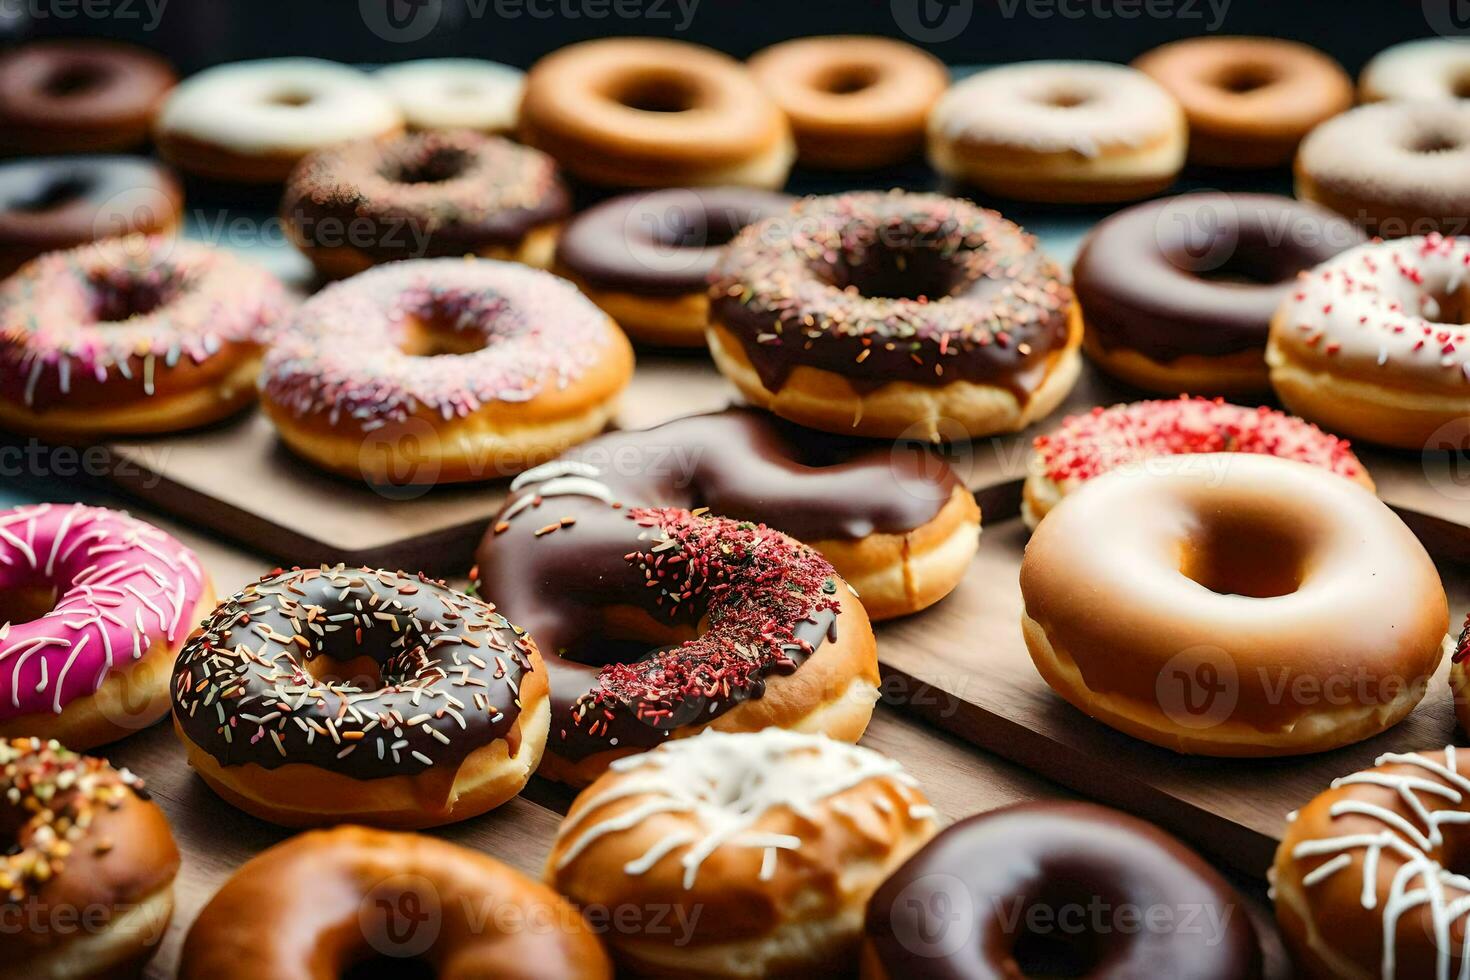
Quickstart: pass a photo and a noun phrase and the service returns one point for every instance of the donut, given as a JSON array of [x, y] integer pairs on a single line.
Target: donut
[[645, 258], [854, 102], [1249, 100], [1058, 889], [94, 606], [332, 694], [1373, 343], [894, 315], [1130, 436], [1178, 602], [456, 93], [79, 96], [1426, 68], [765, 846], [1177, 295], [650, 112], [1396, 168], [658, 623], [52, 203], [424, 195], [357, 902], [88, 872], [443, 370], [251, 122], [1059, 131], [1367, 880], [132, 335]]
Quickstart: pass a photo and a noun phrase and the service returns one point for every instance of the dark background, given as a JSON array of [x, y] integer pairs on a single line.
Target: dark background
[[197, 33]]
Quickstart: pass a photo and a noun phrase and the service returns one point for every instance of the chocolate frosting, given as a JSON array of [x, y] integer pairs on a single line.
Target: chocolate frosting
[[1200, 274], [1071, 889], [252, 684], [56, 202], [661, 243]]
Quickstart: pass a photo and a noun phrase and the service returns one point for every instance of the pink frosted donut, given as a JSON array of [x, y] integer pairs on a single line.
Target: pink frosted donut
[[95, 605], [132, 335], [1086, 446]]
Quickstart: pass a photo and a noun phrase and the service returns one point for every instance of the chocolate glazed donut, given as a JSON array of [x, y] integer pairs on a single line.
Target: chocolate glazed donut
[[1177, 294], [1058, 889], [76, 96]]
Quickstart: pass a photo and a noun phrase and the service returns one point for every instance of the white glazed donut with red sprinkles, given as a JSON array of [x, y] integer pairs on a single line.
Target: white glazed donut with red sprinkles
[[132, 335], [1374, 344], [441, 370], [1129, 435], [94, 606]]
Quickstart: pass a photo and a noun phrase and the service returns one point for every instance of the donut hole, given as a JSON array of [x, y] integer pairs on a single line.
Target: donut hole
[[657, 93], [1433, 141], [53, 195], [1244, 79], [26, 604], [1052, 940], [361, 672], [290, 98], [1258, 556], [450, 322], [1449, 306], [384, 967], [848, 79], [74, 80], [439, 164], [1065, 99], [902, 267], [117, 297], [682, 228], [437, 336], [1460, 86]]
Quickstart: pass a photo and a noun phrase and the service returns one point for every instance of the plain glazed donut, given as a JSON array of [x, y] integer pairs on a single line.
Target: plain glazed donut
[[96, 606], [1129, 436], [1233, 605], [323, 695], [658, 623], [645, 258], [1396, 168], [1249, 100], [1061, 131], [52, 203], [1058, 889], [79, 96], [355, 902], [894, 315], [900, 528], [1427, 68], [1374, 344], [443, 370], [252, 121], [425, 195], [88, 872], [1177, 295], [456, 93], [132, 335], [855, 103], [765, 845], [649, 112], [1367, 877]]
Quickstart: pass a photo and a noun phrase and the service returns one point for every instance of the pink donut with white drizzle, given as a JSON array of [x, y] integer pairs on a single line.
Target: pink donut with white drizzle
[[1374, 344], [132, 335], [94, 606]]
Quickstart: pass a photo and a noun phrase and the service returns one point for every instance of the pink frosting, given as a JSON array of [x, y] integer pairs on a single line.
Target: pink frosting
[[122, 585]]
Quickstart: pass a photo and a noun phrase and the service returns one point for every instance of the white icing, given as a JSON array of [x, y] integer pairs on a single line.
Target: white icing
[[247, 106], [554, 469], [1427, 68], [456, 93], [727, 783]]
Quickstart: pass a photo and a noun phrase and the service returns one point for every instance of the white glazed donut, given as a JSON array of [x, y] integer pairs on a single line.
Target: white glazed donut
[[1060, 131], [1429, 68], [253, 120], [456, 93]]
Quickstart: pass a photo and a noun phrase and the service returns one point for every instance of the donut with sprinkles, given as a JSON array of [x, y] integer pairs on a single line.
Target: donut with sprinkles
[[443, 370], [323, 695], [886, 314], [1374, 344], [94, 606], [425, 195], [133, 335], [1128, 435]]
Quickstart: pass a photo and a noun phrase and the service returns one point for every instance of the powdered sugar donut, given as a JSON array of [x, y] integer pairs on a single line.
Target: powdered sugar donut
[[1427, 68], [93, 665], [251, 121], [440, 370], [456, 93], [1106, 439], [1059, 131], [1375, 344]]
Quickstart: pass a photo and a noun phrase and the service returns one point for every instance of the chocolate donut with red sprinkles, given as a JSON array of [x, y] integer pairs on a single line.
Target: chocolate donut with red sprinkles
[[884, 313], [322, 695], [658, 623], [424, 195], [1104, 439]]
